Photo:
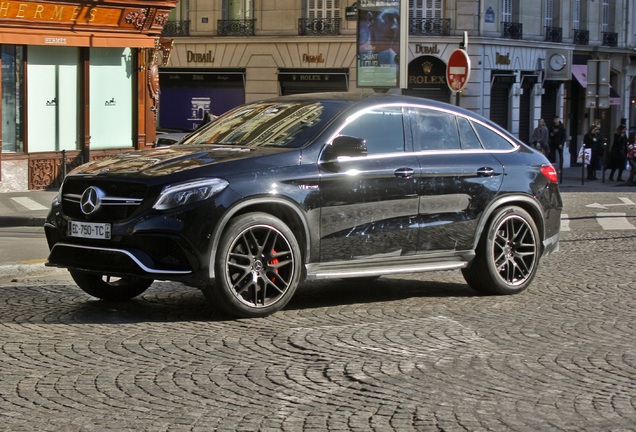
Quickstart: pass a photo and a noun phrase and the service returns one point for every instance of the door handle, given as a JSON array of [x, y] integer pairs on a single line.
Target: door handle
[[485, 172], [404, 172]]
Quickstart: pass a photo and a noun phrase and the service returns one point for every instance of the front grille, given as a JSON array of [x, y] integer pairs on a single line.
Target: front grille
[[120, 200]]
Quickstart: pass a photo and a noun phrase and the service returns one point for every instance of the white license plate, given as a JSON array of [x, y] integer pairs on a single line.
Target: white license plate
[[89, 230]]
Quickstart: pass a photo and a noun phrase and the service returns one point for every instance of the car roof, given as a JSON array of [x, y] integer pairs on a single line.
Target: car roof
[[368, 99]]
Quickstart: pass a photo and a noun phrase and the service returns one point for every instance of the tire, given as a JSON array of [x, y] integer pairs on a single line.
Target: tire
[[507, 255], [258, 266], [110, 288]]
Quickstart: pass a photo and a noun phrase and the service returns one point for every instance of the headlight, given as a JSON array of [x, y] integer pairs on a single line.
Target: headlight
[[187, 193]]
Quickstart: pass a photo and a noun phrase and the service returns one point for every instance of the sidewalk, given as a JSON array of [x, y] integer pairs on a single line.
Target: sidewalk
[[571, 182], [25, 208], [31, 207]]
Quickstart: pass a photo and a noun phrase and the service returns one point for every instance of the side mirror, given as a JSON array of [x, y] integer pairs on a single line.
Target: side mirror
[[344, 146]]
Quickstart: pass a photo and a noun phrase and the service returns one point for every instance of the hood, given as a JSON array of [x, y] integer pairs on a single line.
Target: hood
[[168, 160]]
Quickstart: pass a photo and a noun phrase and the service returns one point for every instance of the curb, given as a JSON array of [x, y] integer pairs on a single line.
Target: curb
[[16, 271], [18, 221]]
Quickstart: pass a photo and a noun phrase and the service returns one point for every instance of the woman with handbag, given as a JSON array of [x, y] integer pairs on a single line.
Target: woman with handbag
[[592, 141]]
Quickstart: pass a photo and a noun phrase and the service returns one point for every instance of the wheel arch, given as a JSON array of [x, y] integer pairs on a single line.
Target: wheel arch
[[526, 202], [278, 207]]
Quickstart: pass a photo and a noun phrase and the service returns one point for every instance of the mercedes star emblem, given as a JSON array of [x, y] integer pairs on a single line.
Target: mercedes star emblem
[[91, 200]]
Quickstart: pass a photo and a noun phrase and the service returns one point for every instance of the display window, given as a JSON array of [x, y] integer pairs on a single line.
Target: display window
[[111, 98], [12, 99], [52, 101]]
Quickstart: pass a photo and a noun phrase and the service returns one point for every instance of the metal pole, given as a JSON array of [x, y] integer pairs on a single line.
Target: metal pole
[[63, 164], [598, 73]]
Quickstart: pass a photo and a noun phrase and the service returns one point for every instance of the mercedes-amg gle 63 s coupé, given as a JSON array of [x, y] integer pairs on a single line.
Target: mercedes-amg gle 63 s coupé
[[308, 187]]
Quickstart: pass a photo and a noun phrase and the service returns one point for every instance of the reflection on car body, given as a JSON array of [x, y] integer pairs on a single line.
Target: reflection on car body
[[330, 185]]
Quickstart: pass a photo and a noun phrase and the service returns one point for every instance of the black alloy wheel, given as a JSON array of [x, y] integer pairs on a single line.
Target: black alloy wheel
[[507, 255], [258, 266]]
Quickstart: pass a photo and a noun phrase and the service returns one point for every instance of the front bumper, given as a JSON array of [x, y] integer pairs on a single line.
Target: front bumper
[[154, 244]]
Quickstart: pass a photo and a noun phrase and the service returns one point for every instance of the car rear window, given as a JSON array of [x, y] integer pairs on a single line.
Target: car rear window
[[492, 140]]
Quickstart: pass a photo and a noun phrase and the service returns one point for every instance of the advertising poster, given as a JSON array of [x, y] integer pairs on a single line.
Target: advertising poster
[[185, 108], [378, 43], [186, 97]]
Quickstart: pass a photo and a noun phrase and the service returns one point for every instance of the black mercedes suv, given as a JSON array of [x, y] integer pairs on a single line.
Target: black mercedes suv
[[304, 187]]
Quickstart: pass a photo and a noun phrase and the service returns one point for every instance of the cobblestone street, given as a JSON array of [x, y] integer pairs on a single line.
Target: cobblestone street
[[421, 353]]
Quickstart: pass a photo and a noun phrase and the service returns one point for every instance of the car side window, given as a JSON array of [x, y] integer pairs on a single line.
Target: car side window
[[381, 128], [434, 130], [470, 140], [492, 140]]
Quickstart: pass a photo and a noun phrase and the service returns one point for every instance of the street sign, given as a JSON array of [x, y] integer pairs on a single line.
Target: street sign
[[458, 70], [597, 94]]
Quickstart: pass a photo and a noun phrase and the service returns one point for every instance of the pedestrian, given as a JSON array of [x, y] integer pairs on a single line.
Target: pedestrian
[[618, 153], [540, 138], [631, 157], [592, 141], [557, 141]]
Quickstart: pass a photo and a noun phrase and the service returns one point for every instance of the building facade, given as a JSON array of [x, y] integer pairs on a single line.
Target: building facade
[[79, 82], [529, 59]]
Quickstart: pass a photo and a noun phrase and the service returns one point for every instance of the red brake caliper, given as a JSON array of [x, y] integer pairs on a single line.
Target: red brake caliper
[[274, 262]]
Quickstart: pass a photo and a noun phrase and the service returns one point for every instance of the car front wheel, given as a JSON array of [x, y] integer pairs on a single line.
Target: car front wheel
[[258, 266], [110, 288], [507, 255]]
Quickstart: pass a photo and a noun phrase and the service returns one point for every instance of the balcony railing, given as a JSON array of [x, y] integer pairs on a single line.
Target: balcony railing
[[581, 37], [319, 26], [429, 26], [610, 39], [512, 30], [176, 28], [553, 34], [235, 27]]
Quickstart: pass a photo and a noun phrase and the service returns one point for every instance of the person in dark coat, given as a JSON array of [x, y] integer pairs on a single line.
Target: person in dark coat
[[557, 141], [592, 141], [618, 153], [631, 157]]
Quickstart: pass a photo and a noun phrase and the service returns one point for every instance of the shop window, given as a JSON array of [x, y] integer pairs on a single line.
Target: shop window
[[52, 102], [111, 98], [12, 99], [188, 94]]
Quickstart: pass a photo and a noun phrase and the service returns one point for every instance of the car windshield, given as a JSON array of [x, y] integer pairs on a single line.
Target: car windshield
[[270, 123]]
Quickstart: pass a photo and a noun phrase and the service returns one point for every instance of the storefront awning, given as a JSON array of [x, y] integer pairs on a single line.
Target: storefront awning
[[580, 73], [75, 39]]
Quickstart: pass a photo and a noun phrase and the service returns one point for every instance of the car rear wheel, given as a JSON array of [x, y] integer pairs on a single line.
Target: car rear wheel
[[257, 267], [507, 254], [110, 288]]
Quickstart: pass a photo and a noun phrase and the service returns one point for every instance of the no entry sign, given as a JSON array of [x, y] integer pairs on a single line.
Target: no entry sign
[[458, 70]]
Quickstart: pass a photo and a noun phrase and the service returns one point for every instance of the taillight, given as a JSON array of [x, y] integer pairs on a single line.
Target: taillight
[[550, 173]]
